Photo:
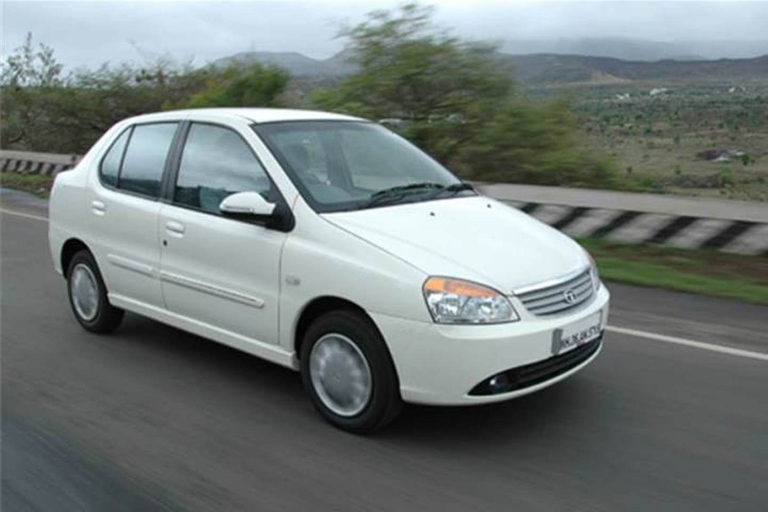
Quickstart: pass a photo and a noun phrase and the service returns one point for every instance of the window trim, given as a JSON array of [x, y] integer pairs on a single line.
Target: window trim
[[168, 196], [164, 172]]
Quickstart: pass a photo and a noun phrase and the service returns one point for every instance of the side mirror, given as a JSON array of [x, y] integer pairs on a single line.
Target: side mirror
[[247, 205]]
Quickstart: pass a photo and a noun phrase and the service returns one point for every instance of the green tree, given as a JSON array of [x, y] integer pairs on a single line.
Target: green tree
[[43, 110], [29, 78], [254, 86], [459, 102], [529, 143], [408, 69]]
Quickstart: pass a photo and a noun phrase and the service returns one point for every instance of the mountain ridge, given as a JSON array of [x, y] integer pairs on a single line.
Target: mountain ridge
[[540, 68]]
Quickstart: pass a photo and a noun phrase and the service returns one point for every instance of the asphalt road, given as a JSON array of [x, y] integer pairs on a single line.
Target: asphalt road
[[152, 418]]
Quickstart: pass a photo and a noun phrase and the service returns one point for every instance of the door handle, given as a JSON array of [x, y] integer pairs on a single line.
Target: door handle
[[98, 207], [175, 228]]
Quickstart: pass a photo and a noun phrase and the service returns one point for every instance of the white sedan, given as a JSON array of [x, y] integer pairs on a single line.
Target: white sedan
[[329, 245]]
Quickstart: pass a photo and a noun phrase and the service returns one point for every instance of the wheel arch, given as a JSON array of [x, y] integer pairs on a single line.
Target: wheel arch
[[71, 247], [317, 307]]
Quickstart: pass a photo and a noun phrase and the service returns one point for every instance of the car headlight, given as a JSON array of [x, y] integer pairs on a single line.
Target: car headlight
[[593, 272], [453, 301]]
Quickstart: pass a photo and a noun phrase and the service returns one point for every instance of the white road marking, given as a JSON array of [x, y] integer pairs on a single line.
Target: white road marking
[[621, 330], [26, 215], [689, 343]]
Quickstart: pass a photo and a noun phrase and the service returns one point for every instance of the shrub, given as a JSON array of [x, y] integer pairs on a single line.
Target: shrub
[[725, 178]]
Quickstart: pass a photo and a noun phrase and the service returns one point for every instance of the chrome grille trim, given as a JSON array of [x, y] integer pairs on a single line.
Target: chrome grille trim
[[549, 298]]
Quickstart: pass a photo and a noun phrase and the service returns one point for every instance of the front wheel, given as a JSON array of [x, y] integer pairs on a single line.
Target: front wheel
[[348, 372], [88, 295]]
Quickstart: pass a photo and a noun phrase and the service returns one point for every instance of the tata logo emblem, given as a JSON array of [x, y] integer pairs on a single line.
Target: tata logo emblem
[[569, 296]]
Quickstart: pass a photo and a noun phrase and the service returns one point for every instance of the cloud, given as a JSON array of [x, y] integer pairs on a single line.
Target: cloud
[[90, 33]]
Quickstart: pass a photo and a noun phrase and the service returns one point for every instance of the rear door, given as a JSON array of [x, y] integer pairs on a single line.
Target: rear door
[[218, 270], [124, 207]]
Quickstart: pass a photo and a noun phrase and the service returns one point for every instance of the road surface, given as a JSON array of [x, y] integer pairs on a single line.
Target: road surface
[[152, 418]]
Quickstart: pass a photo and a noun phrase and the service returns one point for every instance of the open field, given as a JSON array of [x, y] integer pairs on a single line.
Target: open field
[[703, 139]]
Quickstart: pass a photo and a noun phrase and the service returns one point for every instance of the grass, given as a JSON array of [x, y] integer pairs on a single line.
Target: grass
[[32, 183], [703, 272]]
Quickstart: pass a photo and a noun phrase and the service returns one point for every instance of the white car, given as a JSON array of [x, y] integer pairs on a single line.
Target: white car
[[329, 245]]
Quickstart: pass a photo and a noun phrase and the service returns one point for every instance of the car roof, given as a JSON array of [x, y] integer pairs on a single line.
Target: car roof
[[256, 115]]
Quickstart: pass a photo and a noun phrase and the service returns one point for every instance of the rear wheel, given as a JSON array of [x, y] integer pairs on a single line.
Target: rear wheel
[[348, 372], [88, 295]]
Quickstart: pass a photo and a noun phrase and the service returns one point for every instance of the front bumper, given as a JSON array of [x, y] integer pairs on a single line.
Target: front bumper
[[441, 364]]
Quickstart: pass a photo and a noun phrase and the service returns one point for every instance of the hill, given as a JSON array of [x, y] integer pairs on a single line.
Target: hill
[[617, 48], [625, 48], [549, 68], [545, 68], [296, 63]]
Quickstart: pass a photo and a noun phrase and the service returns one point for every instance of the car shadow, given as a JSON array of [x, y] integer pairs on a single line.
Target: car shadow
[[525, 418]]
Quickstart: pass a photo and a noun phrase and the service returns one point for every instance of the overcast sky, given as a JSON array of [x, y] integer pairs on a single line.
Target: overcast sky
[[90, 33]]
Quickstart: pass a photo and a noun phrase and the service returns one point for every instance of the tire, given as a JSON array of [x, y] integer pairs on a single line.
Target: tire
[[92, 310], [350, 337]]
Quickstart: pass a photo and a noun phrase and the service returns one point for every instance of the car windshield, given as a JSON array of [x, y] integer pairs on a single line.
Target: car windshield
[[350, 165]]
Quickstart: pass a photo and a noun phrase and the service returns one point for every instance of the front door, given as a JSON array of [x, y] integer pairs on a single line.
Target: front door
[[216, 270]]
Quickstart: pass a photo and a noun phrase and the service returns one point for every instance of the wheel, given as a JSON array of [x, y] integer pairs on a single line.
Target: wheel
[[348, 372], [88, 295]]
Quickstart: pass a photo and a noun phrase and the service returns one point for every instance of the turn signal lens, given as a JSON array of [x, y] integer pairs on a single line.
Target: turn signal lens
[[453, 301]]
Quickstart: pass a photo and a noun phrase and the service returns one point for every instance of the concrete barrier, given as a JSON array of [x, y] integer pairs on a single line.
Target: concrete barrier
[[28, 162], [686, 222]]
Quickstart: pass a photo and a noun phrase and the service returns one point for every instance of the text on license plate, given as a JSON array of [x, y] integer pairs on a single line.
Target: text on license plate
[[577, 333]]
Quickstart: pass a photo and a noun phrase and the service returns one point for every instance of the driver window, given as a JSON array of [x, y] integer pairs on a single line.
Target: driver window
[[215, 163]]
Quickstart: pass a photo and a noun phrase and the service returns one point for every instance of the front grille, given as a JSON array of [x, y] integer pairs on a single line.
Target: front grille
[[536, 373], [559, 298]]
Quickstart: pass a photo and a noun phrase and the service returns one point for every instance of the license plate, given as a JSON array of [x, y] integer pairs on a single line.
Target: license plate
[[578, 333]]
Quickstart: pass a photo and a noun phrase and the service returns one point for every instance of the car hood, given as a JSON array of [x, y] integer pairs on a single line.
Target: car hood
[[475, 238]]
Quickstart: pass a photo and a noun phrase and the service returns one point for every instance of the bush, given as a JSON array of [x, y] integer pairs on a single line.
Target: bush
[[725, 178]]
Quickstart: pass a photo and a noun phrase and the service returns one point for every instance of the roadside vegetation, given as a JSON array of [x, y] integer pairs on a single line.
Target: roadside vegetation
[[32, 183], [459, 100], [46, 110], [451, 97], [704, 272]]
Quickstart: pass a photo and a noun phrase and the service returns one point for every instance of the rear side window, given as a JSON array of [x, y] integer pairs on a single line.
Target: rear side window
[[144, 160], [217, 162], [110, 165]]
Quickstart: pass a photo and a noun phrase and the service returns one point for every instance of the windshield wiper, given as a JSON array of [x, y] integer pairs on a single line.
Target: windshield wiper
[[398, 192], [453, 190]]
